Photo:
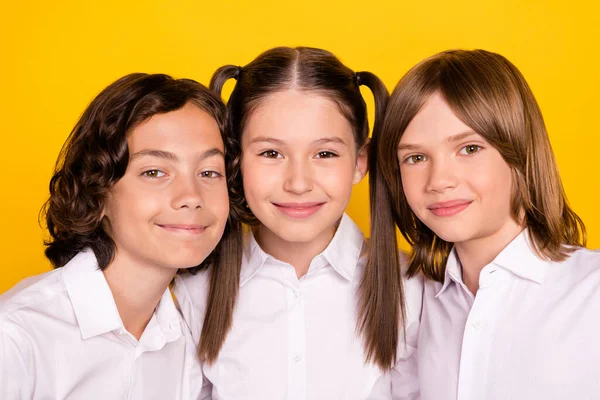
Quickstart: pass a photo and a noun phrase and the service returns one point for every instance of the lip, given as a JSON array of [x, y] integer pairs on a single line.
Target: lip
[[299, 210], [449, 208], [192, 229]]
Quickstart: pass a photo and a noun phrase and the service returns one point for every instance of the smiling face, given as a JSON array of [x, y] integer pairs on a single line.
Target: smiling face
[[455, 182], [299, 162], [171, 206]]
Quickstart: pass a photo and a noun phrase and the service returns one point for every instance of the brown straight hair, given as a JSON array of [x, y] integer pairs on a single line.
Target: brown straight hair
[[489, 94], [380, 302]]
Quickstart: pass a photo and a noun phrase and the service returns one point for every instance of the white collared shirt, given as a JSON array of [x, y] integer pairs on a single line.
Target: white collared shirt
[[296, 338], [531, 333], [61, 337]]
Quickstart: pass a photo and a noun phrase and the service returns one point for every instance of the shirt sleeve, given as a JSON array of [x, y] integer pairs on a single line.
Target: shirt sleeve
[[405, 378], [16, 381], [206, 393], [405, 375]]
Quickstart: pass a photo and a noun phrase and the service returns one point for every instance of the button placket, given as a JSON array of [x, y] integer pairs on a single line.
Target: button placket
[[296, 338], [478, 334]]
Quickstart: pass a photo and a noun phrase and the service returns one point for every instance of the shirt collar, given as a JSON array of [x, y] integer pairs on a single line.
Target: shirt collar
[[518, 257], [164, 326], [92, 300], [253, 257], [342, 253], [453, 272], [344, 250], [94, 304]]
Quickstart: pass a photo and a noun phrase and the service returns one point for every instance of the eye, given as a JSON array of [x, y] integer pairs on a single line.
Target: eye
[[153, 174], [470, 149], [415, 159], [326, 154], [270, 154], [210, 174]]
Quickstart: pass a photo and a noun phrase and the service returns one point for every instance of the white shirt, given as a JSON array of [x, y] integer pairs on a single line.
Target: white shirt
[[531, 333], [61, 337], [296, 338]]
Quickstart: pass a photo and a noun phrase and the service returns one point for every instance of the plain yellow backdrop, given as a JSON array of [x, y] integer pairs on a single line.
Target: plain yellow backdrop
[[56, 56]]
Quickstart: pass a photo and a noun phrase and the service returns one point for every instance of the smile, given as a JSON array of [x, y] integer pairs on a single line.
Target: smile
[[449, 208], [298, 210], [189, 229]]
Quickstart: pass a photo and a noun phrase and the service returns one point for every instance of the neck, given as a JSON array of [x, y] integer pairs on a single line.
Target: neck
[[137, 289], [475, 254], [298, 254]]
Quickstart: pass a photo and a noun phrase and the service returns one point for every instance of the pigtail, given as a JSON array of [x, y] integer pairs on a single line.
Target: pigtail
[[226, 265], [222, 75], [381, 296], [223, 292]]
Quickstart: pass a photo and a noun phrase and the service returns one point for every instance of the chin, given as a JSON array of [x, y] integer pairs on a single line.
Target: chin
[[451, 235], [184, 261], [297, 237]]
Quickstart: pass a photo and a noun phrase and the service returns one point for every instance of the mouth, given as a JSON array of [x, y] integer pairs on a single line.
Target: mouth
[[189, 229], [299, 210], [449, 208]]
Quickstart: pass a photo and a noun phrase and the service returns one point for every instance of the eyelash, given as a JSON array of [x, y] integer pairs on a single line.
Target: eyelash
[[203, 174], [274, 154], [411, 159], [214, 174], [471, 145], [146, 173], [326, 154]]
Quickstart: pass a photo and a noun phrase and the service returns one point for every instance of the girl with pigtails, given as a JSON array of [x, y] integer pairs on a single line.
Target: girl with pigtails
[[466, 171], [307, 314]]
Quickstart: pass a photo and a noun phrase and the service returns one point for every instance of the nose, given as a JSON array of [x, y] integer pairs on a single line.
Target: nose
[[299, 178], [187, 193], [442, 176]]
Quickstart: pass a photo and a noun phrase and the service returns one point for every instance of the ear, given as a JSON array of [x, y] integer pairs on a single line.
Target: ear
[[362, 163]]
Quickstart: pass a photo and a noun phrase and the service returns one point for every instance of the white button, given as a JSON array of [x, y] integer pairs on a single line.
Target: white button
[[297, 359], [477, 325], [295, 292]]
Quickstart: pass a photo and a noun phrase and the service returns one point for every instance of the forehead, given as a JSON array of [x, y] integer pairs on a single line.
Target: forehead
[[187, 129], [434, 121], [294, 115]]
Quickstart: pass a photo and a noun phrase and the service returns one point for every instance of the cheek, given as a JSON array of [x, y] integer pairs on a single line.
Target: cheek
[[412, 184], [494, 184], [131, 207], [342, 180], [258, 179], [217, 199]]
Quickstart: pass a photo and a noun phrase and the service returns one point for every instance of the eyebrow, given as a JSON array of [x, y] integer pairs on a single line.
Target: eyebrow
[[167, 155], [332, 139], [155, 153], [453, 138], [266, 139]]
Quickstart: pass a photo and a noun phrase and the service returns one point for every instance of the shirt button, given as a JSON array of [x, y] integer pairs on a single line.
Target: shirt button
[[477, 325], [297, 359], [295, 292]]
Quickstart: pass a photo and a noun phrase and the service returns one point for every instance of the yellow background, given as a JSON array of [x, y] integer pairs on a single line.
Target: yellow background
[[57, 55]]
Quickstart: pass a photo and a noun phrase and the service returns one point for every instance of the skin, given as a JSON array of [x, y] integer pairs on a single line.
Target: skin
[[458, 185], [167, 212], [299, 165]]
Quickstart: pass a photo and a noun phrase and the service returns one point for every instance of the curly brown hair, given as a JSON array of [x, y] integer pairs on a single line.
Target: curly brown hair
[[95, 156]]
